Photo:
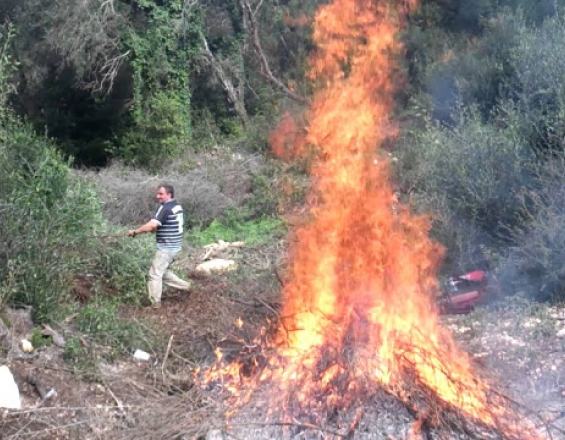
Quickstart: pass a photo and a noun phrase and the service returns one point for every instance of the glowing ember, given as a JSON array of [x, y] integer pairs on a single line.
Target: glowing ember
[[359, 310]]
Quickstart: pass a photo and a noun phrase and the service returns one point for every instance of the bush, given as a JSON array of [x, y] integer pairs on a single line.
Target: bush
[[46, 218], [120, 264], [50, 222], [453, 69], [101, 321], [537, 90], [473, 171], [160, 134], [535, 260]]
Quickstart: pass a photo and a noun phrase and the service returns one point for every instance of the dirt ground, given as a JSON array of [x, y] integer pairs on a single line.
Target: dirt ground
[[520, 344]]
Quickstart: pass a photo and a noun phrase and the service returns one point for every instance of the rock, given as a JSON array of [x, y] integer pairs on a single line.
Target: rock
[[58, 340], [214, 434], [26, 346], [10, 395], [44, 392], [216, 265], [561, 333], [141, 355]]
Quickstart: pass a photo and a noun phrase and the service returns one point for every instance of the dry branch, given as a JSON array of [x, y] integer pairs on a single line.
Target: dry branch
[[166, 357], [250, 24], [226, 75]]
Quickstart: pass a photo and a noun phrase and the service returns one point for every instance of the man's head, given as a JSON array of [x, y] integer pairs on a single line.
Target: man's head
[[165, 193]]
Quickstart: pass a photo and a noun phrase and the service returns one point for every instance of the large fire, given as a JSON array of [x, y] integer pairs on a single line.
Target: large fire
[[358, 311]]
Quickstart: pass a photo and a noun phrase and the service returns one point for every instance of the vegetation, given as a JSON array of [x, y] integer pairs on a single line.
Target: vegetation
[[483, 140], [231, 228], [50, 221], [144, 80]]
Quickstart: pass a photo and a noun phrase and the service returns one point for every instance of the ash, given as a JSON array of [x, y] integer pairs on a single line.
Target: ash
[[381, 417]]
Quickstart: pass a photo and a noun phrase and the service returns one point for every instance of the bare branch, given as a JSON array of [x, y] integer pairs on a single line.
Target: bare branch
[[258, 7], [88, 38], [235, 93], [250, 23]]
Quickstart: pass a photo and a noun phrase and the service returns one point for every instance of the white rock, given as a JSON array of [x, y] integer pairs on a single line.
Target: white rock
[[141, 355], [217, 265], [561, 333], [10, 395], [26, 346], [214, 434]]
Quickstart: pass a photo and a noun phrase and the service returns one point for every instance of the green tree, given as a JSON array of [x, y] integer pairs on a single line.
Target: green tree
[[161, 47]]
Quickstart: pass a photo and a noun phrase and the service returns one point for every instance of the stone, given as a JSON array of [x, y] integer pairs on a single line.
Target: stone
[[141, 355], [27, 347], [10, 395], [214, 434]]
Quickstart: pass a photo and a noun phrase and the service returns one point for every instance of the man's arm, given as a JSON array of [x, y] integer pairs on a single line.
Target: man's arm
[[150, 226]]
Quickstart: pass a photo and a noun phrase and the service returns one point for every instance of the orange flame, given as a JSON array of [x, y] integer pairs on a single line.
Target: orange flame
[[287, 141], [359, 310]]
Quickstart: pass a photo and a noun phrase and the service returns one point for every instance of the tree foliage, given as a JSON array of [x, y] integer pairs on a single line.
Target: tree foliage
[[127, 79], [161, 48]]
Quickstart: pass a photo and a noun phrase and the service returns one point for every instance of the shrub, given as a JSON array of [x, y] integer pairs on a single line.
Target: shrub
[[101, 321], [475, 167], [49, 223], [160, 125], [160, 134], [453, 69], [75, 353], [470, 177], [535, 260], [46, 215], [120, 265], [538, 87]]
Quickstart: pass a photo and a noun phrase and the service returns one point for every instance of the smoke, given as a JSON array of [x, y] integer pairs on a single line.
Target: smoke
[[534, 263], [442, 88]]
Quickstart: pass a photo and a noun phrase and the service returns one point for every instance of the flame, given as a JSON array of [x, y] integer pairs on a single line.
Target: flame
[[358, 307]]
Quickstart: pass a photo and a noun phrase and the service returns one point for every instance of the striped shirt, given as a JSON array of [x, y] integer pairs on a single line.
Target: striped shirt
[[170, 229]]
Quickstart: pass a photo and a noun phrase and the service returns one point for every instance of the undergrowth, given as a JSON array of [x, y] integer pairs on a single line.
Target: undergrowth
[[53, 232], [100, 319], [104, 334]]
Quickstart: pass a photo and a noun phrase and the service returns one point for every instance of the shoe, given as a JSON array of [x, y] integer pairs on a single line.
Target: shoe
[[155, 304]]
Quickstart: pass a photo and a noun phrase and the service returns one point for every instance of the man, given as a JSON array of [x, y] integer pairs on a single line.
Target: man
[[168, 222]]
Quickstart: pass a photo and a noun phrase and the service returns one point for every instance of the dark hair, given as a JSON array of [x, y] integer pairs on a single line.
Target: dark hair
[[168, 188]]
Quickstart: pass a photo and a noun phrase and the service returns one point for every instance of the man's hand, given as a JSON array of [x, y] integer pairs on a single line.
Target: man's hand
[[150, 226]]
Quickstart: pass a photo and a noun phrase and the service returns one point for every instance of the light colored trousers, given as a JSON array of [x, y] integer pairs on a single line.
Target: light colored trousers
[[159, 272]]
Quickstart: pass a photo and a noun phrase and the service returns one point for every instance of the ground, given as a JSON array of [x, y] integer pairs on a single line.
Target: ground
[[519, 343]]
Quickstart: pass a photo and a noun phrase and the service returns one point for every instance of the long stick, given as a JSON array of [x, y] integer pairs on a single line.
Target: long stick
[[166, 357]]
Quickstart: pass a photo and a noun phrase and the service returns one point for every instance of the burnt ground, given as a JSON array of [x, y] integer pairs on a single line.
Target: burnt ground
[[519, 343]]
